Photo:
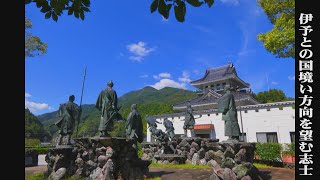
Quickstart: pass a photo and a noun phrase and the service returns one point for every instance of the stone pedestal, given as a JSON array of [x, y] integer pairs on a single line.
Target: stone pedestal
[[229, 159], [97, 158]]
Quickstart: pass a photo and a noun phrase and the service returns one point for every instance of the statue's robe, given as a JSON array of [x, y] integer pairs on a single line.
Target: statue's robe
[[134, 126], [189, 119], [169, 128], [68, 114], [227, 106], [107, 103]]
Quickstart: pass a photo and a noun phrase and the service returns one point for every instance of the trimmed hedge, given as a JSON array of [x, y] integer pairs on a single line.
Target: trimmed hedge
[[289, 149], [31, 142], [39, 149], [268, 151]]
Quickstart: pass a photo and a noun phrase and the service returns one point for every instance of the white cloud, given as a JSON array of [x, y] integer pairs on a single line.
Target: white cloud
[[144, 76], [274, 83], [139, 51], [231, 2], [185, 77], [292, 78], [36, 106], [33, 106], [168, 83], [162, 75]]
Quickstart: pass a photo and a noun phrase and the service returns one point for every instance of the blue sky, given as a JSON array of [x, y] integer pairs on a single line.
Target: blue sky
[[124, 42]]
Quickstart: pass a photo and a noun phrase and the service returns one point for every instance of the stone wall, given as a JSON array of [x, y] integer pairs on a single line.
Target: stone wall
[[30, 157], [227, 159], [96, 158]]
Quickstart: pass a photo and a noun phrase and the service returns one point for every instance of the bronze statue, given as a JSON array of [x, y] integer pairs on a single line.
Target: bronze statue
[[68, 114], [227, 106], [134, 127], [169, 128], [107, 103], [189, 121]]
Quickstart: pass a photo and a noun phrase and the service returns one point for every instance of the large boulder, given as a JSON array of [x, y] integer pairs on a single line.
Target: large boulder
[[195, 159]]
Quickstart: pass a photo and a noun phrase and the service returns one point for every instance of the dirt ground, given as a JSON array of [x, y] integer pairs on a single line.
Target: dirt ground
[[192, 174]]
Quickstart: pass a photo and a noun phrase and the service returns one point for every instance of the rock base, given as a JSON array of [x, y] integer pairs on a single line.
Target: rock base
[[96, 158]]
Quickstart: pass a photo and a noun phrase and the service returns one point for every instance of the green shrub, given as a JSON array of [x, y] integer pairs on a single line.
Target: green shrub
[[289, 149], [268, 151], [31, 142], [39, 149]]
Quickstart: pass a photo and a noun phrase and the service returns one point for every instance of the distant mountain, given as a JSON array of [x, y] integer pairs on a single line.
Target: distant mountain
[[150, 102], [33, 127]]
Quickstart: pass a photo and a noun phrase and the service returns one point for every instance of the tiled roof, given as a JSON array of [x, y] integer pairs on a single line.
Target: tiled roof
[[216, 73], [207, 99]]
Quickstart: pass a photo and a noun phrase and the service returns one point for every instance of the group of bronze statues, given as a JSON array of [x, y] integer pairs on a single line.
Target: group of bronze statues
[[107, 103]]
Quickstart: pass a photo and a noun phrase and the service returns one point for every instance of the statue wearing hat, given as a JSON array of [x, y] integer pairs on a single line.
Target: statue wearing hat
[[68, 114], [107, 104], [227, 106]]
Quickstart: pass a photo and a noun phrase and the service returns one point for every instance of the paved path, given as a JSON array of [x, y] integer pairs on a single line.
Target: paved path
[[194, 174]]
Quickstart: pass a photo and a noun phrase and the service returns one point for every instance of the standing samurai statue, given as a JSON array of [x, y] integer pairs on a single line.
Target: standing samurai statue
[[134, 127], [169, 128], [189, 121], [107, 104], [68, 114], [227, 106]]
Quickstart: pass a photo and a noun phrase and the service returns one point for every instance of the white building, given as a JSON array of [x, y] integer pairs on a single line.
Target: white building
[[272, 122]]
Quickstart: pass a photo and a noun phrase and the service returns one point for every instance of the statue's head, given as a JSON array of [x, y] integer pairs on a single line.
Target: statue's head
[[133, 107], [227, 87], [71, 98], [110, 83]]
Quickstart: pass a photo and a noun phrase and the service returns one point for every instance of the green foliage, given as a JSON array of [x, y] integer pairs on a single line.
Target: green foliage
[[281, 39], [33, 127], [33, 46], [289, 149], [55, 8], [268, 151], [36, 176], [31, 142], [273, 95], [259, 165]]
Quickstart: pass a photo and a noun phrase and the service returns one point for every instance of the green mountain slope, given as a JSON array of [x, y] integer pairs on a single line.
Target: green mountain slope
[[150, 102], [33, 127]]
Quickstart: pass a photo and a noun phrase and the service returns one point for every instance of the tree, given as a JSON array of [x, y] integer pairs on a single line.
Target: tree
[[280, 40], [33, 45], [33, 127], [273, 95], [54, 8]]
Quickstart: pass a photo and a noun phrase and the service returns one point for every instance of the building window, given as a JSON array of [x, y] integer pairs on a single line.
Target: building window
[[218, 87], [267, 137], [223, 84], [243, 138], [208, 114], [217, 114], [257, 110], [268, 109], [292, 137], [245, 111]]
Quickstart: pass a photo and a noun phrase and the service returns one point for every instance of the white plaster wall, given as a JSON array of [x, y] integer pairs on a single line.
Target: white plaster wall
[[275, 120]]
